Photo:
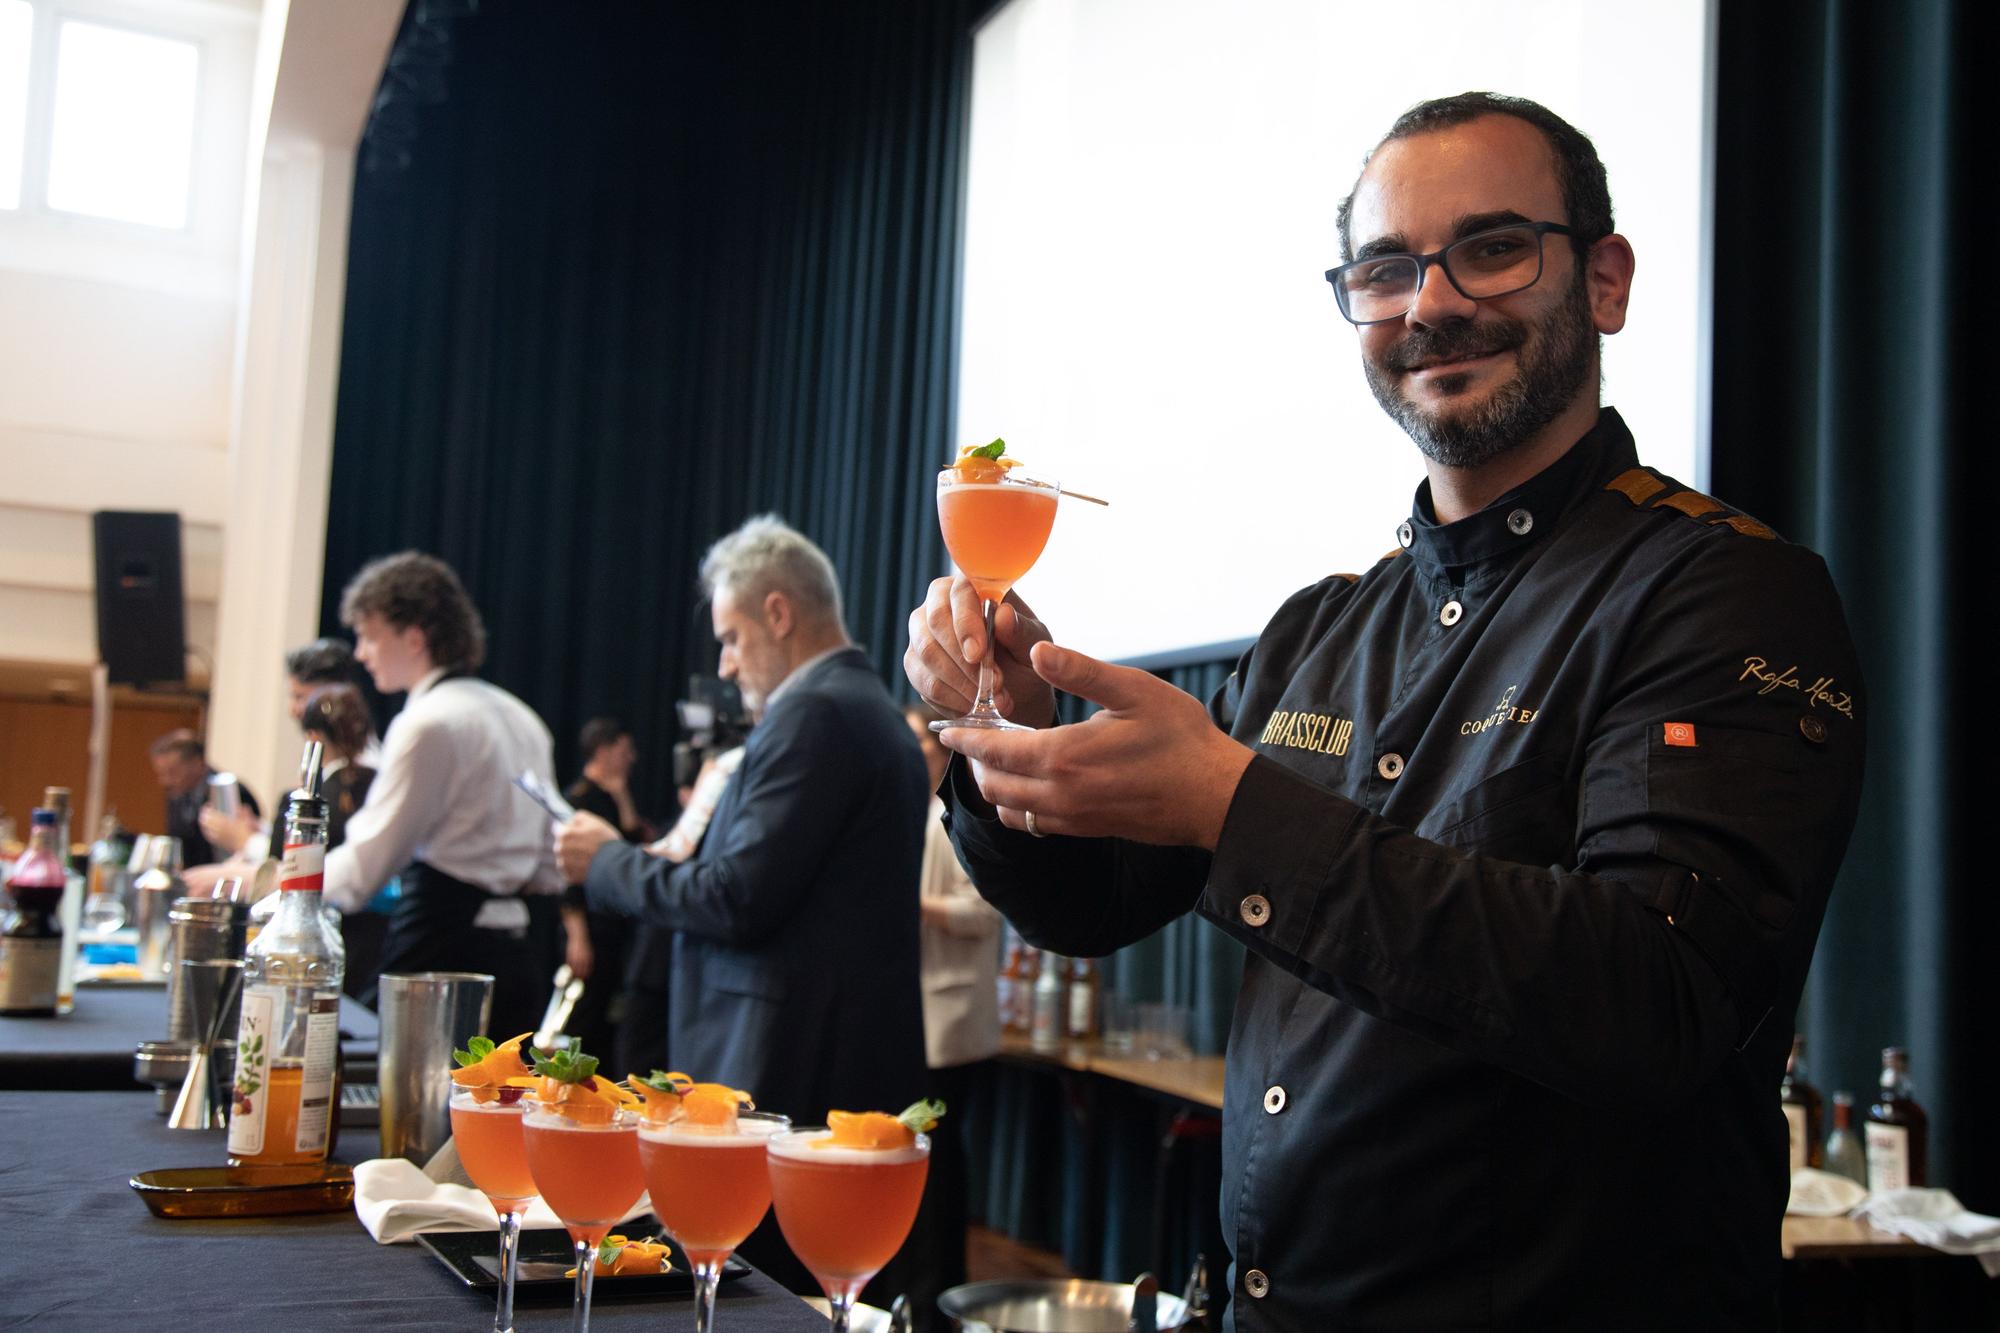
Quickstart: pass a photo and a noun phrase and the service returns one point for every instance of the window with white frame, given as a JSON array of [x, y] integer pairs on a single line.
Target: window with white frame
[[123, 127]]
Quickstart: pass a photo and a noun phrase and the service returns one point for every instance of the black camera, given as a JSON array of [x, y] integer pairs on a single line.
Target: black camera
[[712, 720]]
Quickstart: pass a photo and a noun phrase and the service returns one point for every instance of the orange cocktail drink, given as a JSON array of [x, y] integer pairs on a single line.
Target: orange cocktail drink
[[491, 1144], [995, 531], [709, 1183], [845, 1211], [588, 1173]]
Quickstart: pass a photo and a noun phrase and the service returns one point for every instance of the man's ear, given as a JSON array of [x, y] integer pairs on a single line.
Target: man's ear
[[778, 614], [1608, 270]]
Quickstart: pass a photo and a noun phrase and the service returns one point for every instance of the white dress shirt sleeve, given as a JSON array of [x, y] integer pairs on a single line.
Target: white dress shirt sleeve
[[405, 802]]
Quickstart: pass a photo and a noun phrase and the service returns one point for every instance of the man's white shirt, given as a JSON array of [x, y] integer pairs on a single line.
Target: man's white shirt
[[444, 795]]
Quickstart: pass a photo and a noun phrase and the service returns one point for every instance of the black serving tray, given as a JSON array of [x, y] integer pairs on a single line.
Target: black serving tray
[[547, 1254]]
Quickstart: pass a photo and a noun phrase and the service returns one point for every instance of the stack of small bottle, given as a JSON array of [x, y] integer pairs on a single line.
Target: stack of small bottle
[[1892, 1149], [1046, 997]]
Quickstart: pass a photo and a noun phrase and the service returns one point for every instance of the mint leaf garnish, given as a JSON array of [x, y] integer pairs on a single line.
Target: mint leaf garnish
[[922, 1117], [478, 1048], [565, 1066], [993, 450]]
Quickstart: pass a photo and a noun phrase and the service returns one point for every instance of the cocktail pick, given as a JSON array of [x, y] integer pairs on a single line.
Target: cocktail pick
[[1079, 495]]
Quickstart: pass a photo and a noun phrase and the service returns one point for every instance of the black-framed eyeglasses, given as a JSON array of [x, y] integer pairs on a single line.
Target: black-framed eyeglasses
[[1496, 262]]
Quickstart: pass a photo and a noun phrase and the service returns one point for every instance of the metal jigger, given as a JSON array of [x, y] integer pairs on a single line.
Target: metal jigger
[[213, 985]]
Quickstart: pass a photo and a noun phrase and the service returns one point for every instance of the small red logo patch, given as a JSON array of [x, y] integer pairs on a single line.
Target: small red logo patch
[[1680, 733]]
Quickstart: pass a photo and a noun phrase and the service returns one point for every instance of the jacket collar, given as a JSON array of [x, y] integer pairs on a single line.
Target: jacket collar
[[1511, 524]]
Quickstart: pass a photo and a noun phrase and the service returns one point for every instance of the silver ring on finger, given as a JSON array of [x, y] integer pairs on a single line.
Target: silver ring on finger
[[1028, 817]]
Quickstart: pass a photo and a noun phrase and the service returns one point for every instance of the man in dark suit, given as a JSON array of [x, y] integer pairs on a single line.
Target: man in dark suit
[[795, 960]]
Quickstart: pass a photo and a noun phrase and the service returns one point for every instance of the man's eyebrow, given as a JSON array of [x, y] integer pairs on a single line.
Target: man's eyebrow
[[1392, 244], [1468, 223], [1465, 224]]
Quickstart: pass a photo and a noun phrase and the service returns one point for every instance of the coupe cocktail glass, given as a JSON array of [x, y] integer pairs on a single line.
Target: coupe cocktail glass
[[710, 1188], [845, 1211], [587, 1170], [995, 531], [488, 1135]]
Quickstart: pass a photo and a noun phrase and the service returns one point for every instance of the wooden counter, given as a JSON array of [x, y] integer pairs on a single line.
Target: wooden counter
[[1197, 1081]]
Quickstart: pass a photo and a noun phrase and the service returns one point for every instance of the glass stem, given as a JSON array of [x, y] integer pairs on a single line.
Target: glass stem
[[706, 1276], [987, 675], [510, 1254], [586, 1270], [840, 1303]]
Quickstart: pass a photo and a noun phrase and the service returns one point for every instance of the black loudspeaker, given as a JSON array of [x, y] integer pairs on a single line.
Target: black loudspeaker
[[141, 615]]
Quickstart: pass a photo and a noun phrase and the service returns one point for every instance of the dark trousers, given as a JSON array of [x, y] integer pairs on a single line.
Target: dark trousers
[[431, 930]]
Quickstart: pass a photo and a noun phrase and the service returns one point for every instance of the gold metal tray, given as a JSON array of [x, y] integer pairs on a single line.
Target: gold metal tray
[[246, 1191]]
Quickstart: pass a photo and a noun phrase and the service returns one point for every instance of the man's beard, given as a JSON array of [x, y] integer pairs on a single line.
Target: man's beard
[[1546, 382]]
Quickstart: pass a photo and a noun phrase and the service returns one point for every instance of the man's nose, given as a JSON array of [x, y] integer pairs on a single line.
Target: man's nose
[[1437, 301]]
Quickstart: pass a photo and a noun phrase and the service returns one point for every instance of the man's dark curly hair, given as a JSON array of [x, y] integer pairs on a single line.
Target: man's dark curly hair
[[1586, 194], [411, 588]]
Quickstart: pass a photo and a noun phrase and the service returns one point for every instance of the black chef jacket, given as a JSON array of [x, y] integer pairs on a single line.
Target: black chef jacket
[[1530, 864]]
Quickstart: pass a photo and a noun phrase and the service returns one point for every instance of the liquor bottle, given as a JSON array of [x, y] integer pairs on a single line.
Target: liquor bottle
[[1022, 1020], [288, 1040], [69, 915], [1049, 996], [1898, 1131], [1804, 1109], [1008, 981], [1085, 980], [1844, 1154], [30, 930]]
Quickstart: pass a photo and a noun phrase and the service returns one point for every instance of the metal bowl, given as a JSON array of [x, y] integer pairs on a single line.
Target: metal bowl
[[1018, 1305]]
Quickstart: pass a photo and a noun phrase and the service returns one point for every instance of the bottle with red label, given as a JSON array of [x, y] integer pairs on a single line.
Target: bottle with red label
[[288, 1040], [30, 934]]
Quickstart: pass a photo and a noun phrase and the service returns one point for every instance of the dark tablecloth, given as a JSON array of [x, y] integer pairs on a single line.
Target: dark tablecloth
[[81, 1249], [92, 1048]]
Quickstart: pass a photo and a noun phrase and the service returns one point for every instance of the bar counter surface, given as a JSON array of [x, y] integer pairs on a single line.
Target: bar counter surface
[[83, 1251], [92, 1048]]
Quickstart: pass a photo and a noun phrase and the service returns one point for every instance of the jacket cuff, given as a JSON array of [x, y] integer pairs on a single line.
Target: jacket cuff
[[1274, 859]]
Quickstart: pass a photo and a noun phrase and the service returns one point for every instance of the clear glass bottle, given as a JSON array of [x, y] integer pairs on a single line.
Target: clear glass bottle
[[1085, 980], [1898, 1131], [1844, 1154], [288, 1042], [30, 930], [1051, 994], [1804, 1108], [70, 914]]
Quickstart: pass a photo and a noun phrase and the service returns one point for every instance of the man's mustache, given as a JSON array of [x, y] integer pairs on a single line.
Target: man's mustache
[[1451, 341]]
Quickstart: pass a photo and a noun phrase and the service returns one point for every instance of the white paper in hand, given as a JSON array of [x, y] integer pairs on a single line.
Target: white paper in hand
[[541, 794]]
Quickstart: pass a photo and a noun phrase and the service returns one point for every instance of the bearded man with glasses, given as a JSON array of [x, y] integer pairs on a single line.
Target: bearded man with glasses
[[1527, 830]]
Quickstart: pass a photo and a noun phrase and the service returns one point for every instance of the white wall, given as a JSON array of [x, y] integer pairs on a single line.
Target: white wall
[[117, 348], [110, 398]]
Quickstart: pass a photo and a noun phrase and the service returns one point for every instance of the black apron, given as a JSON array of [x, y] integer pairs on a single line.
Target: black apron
[[431, 930]]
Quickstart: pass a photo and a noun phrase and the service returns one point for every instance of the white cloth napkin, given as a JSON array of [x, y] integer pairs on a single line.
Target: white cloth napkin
[[1822, 1194], [1937, 1219], [395, 1200]]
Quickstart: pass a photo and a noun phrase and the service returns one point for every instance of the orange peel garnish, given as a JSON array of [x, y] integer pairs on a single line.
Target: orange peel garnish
[[632, 1257], [874, 1130], [711, 1104], [502, 1067], [974, 469], [594, 1101]]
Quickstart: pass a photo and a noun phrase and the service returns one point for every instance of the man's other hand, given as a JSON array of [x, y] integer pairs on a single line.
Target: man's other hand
[[1151, 766], [577, 843], [948, 640]]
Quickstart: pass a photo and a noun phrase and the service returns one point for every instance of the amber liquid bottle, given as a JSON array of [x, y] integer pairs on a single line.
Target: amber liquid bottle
[[1804, 1109], [1085, 982], [1898, 1131]]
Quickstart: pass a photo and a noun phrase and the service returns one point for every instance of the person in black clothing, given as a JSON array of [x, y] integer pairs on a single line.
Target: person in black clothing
[[337, 717], [181, 768], [1528, 829], [596, 944]]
